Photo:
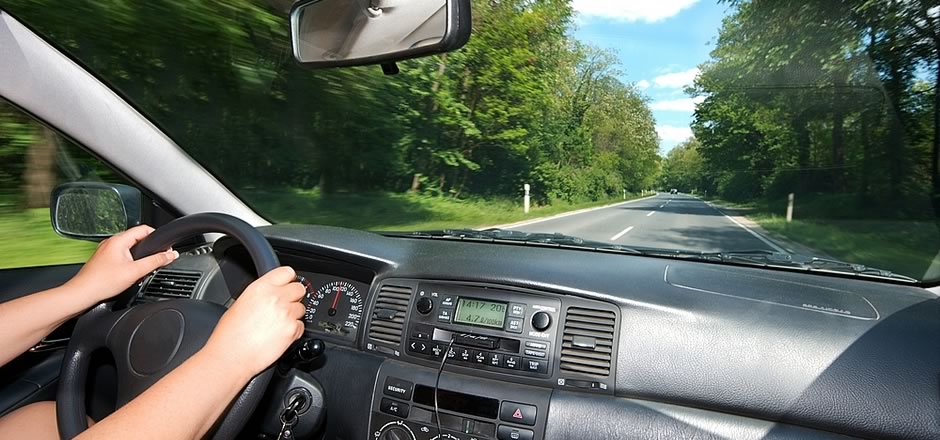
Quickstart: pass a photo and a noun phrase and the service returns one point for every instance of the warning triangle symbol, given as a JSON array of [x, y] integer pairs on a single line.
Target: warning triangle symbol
[[517, 414]]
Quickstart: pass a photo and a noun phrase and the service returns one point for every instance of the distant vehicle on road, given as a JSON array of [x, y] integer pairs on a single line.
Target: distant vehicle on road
[[674, 191]]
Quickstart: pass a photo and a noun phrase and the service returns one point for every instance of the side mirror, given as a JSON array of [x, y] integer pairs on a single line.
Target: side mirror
[[93, 210], [334, 33]]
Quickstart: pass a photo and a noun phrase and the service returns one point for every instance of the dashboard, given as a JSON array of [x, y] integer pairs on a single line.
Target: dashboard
[[520, 342]]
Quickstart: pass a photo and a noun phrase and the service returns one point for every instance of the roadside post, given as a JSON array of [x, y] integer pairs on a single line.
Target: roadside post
[[790, 208], [525, 199], [625, 194]]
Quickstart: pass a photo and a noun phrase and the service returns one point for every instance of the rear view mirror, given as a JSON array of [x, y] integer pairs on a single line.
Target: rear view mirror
[[334, 33], [93, 210]]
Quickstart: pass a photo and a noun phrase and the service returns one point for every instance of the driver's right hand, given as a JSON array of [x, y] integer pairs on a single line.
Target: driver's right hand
[[261, 324]]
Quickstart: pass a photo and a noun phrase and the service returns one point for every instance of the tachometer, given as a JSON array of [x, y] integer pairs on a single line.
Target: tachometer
[[335, 308]]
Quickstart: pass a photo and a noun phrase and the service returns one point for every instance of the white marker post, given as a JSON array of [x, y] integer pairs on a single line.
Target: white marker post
[[525, 199], [790, 208], [625, 194]]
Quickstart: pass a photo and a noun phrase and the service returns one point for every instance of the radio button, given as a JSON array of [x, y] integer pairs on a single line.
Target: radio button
[[444, 316], [418, 347], [535, 353], [517, 310], [465, 354], [479, 357], [437, 350], [537, 345], [447, 301], [535, 365], [512, 362], [514, 325], [494, 359]]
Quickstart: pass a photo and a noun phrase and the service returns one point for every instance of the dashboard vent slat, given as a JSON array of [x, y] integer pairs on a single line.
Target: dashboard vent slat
[[388, 315], [171, 284], [587, 341]]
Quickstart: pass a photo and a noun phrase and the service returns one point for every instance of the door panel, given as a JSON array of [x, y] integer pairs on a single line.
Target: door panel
[[33, 375]]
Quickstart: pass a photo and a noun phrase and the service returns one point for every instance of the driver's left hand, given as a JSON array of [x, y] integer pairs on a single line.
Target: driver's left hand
[[111, 270]]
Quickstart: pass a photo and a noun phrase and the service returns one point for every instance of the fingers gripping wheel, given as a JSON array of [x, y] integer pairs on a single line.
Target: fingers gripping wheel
[[150, 340]]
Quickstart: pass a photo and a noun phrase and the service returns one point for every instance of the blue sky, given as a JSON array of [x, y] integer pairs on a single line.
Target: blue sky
[[659, 44]]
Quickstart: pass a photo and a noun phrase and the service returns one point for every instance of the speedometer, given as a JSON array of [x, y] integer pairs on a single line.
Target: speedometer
[[334, 308]]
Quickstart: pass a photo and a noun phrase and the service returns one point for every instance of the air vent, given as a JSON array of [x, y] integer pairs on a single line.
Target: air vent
[[201, 250], [388, 315], [588, 341], [170, 283]]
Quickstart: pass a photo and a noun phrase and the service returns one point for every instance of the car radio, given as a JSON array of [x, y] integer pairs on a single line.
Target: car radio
[[495, 330]]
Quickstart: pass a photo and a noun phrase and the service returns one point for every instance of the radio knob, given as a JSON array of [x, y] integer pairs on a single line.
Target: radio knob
[[541, 321], [425, 305]]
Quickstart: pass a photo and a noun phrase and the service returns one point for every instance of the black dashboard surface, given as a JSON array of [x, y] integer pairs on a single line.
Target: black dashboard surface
[[839, 355]]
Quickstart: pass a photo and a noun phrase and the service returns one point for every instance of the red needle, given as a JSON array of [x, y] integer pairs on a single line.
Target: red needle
[[335, 299]]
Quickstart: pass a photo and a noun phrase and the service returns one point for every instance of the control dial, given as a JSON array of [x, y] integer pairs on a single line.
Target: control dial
[[396, 430], [424, 305], [541, 321]]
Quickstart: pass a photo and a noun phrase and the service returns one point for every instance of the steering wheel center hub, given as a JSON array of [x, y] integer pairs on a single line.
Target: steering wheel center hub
[[155, 342]]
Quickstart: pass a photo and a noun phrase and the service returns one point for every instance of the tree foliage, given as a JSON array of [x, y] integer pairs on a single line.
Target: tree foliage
[[523, 102], [835, 97]]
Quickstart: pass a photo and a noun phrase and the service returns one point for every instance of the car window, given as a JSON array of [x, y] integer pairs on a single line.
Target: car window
[[802, 129], [35, 160]]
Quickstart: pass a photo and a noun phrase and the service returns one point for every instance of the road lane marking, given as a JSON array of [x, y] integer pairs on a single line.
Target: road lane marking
[[661, 206], [620, 234], [759, 236], [565, 214], [651, 213]]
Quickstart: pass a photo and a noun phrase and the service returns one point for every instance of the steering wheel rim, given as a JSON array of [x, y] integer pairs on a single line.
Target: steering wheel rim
[[177, 328]]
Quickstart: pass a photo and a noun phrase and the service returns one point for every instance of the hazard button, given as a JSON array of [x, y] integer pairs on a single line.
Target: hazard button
[[515, 412]]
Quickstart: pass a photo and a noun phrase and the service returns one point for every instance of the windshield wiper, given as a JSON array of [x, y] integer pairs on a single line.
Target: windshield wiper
[[534, 238]]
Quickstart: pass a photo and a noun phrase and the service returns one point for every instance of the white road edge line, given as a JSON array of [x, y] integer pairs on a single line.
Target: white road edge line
[[620, 234], [651, 213], [759, 236], [564, 214]]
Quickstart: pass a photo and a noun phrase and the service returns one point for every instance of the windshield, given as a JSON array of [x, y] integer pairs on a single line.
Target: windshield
[[795, 127]]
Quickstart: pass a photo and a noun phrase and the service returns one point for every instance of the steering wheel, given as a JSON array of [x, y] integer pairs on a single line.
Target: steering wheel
[[150, 340]]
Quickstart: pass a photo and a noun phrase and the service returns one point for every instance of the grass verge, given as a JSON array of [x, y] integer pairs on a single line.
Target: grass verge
[[399, 212], [905, 247], [27, 238]]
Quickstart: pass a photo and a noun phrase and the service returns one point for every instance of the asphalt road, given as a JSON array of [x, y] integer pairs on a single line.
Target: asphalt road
[[664, 221]]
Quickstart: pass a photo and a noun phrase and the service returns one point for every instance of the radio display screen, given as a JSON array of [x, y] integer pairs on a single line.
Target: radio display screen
[[479, 312]]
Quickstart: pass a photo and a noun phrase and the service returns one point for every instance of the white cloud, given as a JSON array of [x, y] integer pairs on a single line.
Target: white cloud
[[671, 134], [643, 84], [677, 105], [676, 80], [632, 10]]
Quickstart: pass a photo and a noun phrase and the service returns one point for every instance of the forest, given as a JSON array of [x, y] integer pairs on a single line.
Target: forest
[[523, 102], [833, 100]]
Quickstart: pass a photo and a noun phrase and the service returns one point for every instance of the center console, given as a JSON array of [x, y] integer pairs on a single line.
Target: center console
[[500, 350], [403, 407], [492, 330]]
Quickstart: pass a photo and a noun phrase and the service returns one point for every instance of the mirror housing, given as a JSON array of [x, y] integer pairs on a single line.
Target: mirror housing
[[94, 210], [337, 33]]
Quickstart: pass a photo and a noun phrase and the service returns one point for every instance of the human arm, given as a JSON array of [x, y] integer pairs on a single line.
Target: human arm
[[250, 337], [111, 270]]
